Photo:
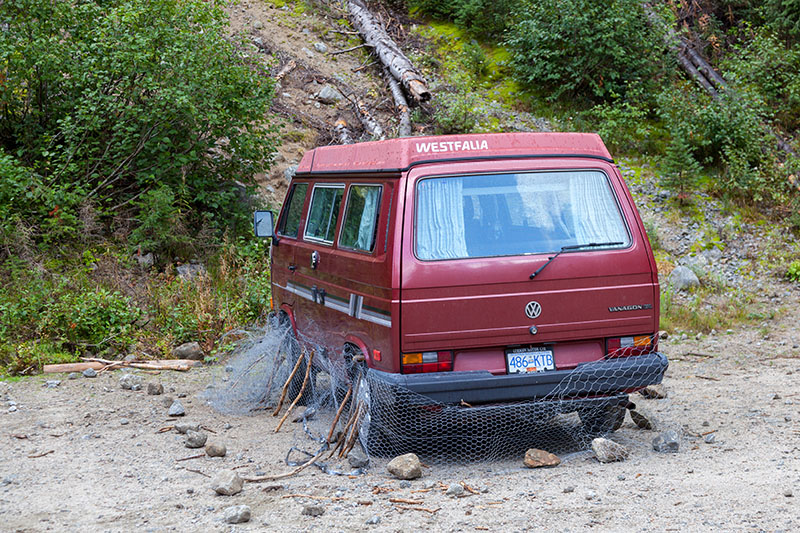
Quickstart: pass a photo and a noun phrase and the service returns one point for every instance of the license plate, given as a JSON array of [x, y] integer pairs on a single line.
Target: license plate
[[524, 360]]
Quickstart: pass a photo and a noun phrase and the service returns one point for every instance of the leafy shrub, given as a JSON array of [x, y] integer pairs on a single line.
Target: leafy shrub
[[793, 271], [455, 111], [622, 125], [784, 17], [107, 99], [162, 224], [482, 18], [596, 49]]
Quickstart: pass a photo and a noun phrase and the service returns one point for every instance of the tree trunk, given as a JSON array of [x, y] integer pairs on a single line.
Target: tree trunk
[[400, 102], [387, 51]]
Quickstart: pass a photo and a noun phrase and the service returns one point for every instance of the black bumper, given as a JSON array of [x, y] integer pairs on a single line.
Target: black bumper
[[609, 377]]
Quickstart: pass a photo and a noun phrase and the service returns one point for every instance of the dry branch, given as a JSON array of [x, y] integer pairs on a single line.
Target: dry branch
[[299, 394], [387, 51], [286, 385], [287, 474], [339, 413]]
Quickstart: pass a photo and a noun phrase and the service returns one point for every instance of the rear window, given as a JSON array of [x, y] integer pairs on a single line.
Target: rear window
[[361, 218], [515, 214], [323, 212]]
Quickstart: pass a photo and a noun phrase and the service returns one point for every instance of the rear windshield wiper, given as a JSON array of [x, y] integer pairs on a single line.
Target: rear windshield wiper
[[574, 247]]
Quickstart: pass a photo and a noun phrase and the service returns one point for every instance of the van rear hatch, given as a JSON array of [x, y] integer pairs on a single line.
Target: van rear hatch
[[473, 238]]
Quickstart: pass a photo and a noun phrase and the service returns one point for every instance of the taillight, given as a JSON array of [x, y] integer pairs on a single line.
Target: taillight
[[419, 362], [626, 346]]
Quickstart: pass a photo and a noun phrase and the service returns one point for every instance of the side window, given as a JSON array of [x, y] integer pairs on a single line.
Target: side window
[[290, 224], [361, 218], [323, 213]]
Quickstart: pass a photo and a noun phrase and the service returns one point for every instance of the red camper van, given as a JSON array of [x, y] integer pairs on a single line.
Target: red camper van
[[473, 269]]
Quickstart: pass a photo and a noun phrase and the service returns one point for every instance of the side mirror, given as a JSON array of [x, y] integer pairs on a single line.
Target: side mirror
[[264, 224]]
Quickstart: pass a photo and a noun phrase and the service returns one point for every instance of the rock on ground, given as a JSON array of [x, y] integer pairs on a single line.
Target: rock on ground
[[357, 459], [608, 451], [455, 491], [538, 458], [654, 392], [215, 449], [329, 95], [195, 439], [667, 442], [129, 381], [176, 409], [683, 278], [313, 510], [90, 373], [185, 427], [227, 483], [405, 466], [189, 350], [238, 514], [641, 421], [154, 389]]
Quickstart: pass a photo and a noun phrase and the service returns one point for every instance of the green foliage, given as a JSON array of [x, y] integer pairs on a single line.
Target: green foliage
[[594, 49], [162, 224], [104, 100], [681, 169], [784, 17], [623, 126], [455, 112], [482, 18], [793, 271], [770, 72]]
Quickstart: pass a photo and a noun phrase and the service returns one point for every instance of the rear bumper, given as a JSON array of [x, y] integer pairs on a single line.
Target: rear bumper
[[610, 377]]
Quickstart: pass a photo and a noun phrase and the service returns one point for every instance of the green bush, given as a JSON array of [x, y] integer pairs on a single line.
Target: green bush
[[623, 126], [583, 47], [482, 18], [784, 17], [793, 271], [108, 99], [455, 108]]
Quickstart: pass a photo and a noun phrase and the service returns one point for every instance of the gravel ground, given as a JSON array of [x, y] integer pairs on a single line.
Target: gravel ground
[[88, 455]]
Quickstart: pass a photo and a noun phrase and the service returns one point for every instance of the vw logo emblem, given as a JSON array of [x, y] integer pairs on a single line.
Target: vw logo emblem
[[533, 310]]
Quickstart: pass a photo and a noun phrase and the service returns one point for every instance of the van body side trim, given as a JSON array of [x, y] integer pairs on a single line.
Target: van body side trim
[[354, 306]]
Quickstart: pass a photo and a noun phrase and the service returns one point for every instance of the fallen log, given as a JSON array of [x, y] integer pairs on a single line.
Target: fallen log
[[388, 52], [400, 102], [342, 133], [101, 364]]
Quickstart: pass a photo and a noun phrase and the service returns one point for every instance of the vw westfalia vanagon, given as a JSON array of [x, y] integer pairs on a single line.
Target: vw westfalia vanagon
[[473, 269]]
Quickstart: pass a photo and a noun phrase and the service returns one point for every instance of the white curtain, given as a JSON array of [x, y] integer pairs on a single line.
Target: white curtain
[[440, 219], [594, 209], [366, 230]]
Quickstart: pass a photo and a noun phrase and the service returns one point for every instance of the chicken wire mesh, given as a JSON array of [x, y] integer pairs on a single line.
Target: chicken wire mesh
[[348, 410]]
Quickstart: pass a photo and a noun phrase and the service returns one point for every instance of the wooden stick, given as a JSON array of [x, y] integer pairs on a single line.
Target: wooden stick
[[287, 474], [707, 377], [70, 367], [35, 456], [318, 498], [197, 472], [347, 434], [337, 52], [406, 508], [403, 500], [198, 456], [299, 394], [286, 385], [339, 413]]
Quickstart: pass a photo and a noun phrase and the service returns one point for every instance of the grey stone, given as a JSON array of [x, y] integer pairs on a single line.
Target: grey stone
[[145, 260], [306, 413], [788, 493], [608, 451], [307, 52], [176, 409], [329, 95], [136, 387], [569, 489], [289, 173], [591, 495], [313, 510], [373, 520], [131, 357], [710, 438], [154, 389], [127, 381], [166, 401], [238, 514], [227, 483], [357, 459], [52, 383], [186, 427], [405, 466], [73, 375], [455, 490], [188, 272], [667, 442], [189, 350], [90, 373], [195, 439], [322, 48], [216, 449], [124, 421], [683, 278], [12, 409], [258, 25], [405, 484]]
